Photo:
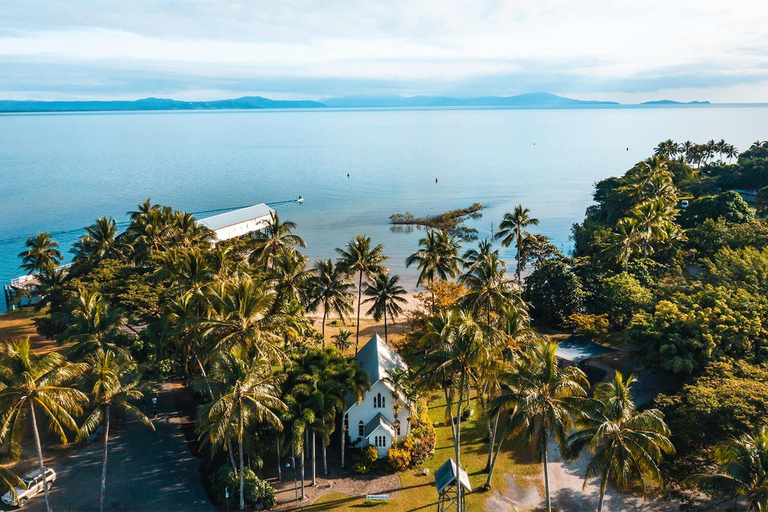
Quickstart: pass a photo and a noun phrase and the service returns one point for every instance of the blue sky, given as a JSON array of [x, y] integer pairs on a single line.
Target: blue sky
[[618, 50]]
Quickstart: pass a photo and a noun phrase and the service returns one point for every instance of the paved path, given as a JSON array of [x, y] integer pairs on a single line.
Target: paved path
[[147, 471]]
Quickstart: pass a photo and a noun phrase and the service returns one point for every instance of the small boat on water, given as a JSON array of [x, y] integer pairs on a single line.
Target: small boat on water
[[299, 199]]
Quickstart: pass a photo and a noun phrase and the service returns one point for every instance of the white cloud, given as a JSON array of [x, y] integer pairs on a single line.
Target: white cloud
[[586, 46]]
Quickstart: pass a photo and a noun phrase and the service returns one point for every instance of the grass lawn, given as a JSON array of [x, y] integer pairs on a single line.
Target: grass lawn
[[418, 492], [20, 324]]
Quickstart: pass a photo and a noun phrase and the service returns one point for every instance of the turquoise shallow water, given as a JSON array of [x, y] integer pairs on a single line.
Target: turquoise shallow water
[[58, 172]]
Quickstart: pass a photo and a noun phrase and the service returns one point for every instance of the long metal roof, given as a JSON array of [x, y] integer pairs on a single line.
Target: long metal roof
[[223, 220]]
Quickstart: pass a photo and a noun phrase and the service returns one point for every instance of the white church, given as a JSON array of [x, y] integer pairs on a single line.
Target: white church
[[372, 422]]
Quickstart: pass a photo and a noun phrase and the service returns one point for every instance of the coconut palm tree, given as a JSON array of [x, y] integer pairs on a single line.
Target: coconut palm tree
[[626, 444], [242, 314], [150, 231], [290, 276], [742, 470], [438, 256], [98, 243], [623, 244], [341, 340], [94, 324], [113, 384], [385, 296], [360, 258], [273, 238], [472, 256], [9, 481], [187, 232], [330, 289], [542, 398], [30, 384], [511, 231], [41, 250], [488, 289], [456, 345], [246, 393]]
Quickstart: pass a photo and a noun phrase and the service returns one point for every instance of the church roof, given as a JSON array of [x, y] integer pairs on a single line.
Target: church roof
[[379, 421], [378, 359]]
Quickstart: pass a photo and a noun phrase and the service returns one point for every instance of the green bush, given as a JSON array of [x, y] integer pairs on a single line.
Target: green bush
[[594, 327], [255, 490], [422, 439], [366, 461]]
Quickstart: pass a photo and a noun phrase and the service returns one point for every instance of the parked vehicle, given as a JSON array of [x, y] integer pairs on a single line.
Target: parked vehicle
[[33, 485]]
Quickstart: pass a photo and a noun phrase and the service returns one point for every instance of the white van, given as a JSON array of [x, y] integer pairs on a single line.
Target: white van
[[33, 485]]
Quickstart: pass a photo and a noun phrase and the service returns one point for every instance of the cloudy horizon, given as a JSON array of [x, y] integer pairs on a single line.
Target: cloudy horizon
[[204, 50]]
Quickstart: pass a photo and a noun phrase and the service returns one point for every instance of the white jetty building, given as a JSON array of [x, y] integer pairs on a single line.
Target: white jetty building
[[238, 222], [372, 422]]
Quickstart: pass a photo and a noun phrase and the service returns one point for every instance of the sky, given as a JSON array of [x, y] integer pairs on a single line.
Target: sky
[[619, 50]]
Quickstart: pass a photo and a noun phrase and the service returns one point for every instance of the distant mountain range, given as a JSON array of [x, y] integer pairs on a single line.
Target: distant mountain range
[[671, 102], [535, 100]]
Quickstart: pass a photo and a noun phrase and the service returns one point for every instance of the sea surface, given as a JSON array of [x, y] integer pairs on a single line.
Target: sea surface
[[59, 172]]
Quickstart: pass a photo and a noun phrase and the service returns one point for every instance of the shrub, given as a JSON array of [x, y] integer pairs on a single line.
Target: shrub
[[592, 326], [422, 438], [366, 461], [256, 491], [398, 459]]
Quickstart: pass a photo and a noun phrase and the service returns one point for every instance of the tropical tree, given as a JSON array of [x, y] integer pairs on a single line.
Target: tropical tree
[[438, 256], [242, 314], [99, 242], [626, 444], [341, 340], [488, 289], [41, 250], [742, 470], [511, 230], [30, 384], [245, 393], [360, 258], [386, 297], [113, 384], [290, 276], [541, 398], [276, 236], [457, 345], [330, 289], [94, 324]]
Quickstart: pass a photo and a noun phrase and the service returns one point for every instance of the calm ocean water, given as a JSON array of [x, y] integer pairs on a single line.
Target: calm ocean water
[[58, 172]]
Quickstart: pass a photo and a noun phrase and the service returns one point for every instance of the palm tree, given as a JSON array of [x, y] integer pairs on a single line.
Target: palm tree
[[246, 393], [542, 397], [457, 345], [113, 384], [438, 255], [330, 288], [623, 244], [488, 289], [366, 261], [28, 382], [9, 481], [742, 470], [626, 444], [386, 296], [41, 250], [94, 324], [242, 314], [341, 340], [270, 240], [472, 256], [99, 242], [290, 276], [511, 230], [187, 232]]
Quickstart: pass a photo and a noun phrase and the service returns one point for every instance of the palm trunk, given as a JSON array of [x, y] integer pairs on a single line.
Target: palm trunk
[[40, 456], [242, 473], [343, 442], [314, 459], [603, 485], [303, 449], [279, 463], [205, 376], [386, 338], [457, 448], [546, 471], [325, 312], [325, 459], [231, 455], [491, 438], [359, 299], [104, 462], [496, 455]]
